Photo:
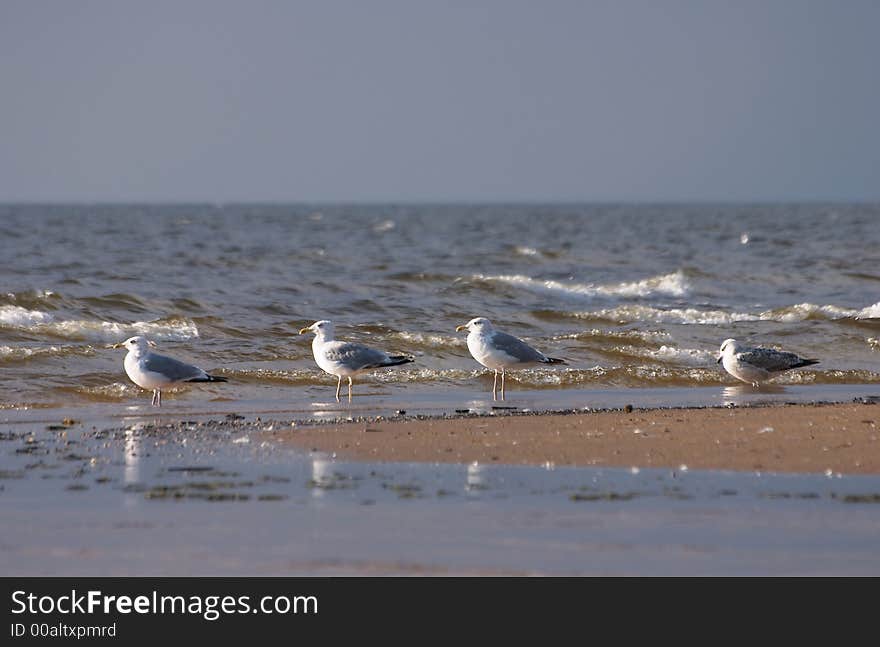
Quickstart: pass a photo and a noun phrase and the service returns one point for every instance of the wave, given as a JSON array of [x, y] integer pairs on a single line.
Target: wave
[[113, 392], [871, 312], [43, 323], [30, 298], [686, 356], [674, 284], [631, 313], [416, 339], [638, 337], [24, 353], [171, 329], [679, 367], [18, 317]]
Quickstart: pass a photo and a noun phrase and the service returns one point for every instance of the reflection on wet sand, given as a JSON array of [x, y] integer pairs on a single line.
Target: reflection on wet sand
[[322, 475], [131, 473], [748, 394], [476, 478]]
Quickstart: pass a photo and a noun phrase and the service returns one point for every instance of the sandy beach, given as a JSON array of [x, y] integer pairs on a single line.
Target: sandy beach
[[785, 438]]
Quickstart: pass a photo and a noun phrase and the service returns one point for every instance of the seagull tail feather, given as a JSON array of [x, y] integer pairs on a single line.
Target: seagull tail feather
[[209, 378], [396, 360], [555, 360]]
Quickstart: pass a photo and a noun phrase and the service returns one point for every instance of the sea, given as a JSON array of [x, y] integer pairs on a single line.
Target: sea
[[634, 297]]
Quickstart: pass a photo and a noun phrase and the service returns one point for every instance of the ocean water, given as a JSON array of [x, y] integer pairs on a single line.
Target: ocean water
[[631, 296]]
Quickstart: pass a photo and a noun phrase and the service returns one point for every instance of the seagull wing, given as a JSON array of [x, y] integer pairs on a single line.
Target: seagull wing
[[355, 356], [174, 370], [769, 359], [516, 348]]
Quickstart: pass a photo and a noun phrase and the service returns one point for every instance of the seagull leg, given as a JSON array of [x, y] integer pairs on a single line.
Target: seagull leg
[[153, 400], [502, 384], [158, 398], [338, 386], [495, 385], [349, 388]]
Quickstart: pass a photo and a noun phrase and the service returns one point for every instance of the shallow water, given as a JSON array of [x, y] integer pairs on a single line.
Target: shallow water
[[193, 501], [632, 296]]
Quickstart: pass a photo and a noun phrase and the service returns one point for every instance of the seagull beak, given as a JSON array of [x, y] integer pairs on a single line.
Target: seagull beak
[[116, 345], [460, 328], [303, 331], [720, 357]]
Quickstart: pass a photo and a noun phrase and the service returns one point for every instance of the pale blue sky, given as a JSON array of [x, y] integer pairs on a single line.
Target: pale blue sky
[[442, 101]]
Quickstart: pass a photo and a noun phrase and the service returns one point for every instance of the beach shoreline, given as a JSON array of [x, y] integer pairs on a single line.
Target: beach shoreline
[[797, 438]]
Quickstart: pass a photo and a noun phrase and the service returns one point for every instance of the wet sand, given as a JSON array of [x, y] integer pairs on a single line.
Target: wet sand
[[843, 438], [181, 494]]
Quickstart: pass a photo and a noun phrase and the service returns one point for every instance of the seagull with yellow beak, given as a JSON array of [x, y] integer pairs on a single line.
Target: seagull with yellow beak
[[346, 359], [499, 351]]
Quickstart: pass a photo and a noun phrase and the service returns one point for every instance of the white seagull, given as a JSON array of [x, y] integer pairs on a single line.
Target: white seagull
[[346, 359], [756, 365], [152, 371], [498, 350]]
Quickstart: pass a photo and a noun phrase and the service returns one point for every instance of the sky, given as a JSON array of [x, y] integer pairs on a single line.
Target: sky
[[439, 101]]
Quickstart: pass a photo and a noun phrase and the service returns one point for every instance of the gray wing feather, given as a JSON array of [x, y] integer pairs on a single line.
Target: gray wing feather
[[516, 348], [769, 359], [171, 368], [356, 356]]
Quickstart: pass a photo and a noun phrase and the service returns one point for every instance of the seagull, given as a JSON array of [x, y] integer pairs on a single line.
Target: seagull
[[150, 370], [498, 350], [346, 359], [756, 365]]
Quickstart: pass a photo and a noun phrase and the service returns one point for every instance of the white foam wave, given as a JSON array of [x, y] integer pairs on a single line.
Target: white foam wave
[[674, 284], [688, 356], [791, 314], [112, 391], [385, 225], [18, 317], [642, 335], [436, 341], [36, 294], [176, 330], [25, 352], [40, 322], [871, 312]]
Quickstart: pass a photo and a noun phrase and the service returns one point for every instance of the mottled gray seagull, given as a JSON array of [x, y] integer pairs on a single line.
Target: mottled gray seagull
[[756, 365]]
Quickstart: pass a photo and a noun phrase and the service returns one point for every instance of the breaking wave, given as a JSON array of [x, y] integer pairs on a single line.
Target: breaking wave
[[674, 284], [18, 317], [427, 340], [871, 312], [801, 312], [43, 323], [24, 353]]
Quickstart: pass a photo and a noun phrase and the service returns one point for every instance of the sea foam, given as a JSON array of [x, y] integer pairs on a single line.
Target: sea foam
[[674, 284], [43, 323], [790, 314]]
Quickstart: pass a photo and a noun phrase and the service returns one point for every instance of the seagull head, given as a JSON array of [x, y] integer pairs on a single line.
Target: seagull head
[[479, 324], [323, 328], [725, 345], [136, 343]]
